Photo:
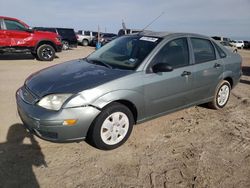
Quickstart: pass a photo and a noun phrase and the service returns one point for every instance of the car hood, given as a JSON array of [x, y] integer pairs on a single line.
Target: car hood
[[71, 77]]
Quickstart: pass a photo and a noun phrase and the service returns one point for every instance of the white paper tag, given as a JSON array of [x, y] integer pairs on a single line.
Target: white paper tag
[[150, 39]]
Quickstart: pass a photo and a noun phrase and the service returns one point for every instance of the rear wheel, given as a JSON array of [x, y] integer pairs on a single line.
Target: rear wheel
[[45, 52], [65, 45], [112, 127], [222, 95]]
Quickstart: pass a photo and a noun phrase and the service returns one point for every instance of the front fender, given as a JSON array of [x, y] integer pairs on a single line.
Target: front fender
[[136, 98]]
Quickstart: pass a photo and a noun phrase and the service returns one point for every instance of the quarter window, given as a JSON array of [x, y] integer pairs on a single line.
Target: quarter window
[[222, 54], [14, 25], [175, 53], [203, 50]]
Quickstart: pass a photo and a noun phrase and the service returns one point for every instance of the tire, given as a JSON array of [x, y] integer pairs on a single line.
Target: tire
[[65, 45], [222, 94], [85, 42], [45, 52], [111, 128]]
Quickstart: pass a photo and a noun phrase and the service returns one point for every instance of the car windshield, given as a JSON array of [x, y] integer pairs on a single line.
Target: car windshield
[[125, 52]]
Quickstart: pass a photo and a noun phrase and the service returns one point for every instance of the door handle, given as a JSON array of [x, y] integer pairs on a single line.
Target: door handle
[[217, 65], [186, 73]]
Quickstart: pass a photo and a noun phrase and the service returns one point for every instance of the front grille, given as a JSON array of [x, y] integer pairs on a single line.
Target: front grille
[[27, 96]]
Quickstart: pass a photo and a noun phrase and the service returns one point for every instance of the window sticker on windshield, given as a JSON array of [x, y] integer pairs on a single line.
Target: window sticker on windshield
[[150, 39]]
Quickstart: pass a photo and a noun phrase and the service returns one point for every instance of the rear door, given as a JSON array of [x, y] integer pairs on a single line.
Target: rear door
[[16, 33], [208, 68]]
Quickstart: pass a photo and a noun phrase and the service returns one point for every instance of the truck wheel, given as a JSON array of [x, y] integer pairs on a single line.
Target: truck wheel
[[45, 52], [85, 42], [111, 128], [65, 45]]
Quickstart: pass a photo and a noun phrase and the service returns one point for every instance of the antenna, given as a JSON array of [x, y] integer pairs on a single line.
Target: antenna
[[152, 21], [123, 25]]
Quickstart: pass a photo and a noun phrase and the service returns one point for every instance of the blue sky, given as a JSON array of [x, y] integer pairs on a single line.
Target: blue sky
[[230, 18]]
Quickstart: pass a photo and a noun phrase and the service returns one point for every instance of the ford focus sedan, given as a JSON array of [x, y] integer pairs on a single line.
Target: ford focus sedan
[[128, 81]]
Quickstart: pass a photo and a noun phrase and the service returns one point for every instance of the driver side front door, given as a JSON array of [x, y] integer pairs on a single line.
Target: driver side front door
[[169, 91]]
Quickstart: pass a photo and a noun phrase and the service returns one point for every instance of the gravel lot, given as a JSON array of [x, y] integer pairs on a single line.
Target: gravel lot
[[196, 147]]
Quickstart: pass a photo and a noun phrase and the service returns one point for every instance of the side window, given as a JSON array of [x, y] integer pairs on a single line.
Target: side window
[[87, 33], [14, 25], [175, 53], [203, 50]]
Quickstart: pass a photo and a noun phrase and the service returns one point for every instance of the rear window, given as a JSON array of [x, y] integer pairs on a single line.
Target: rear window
[[203, 50]]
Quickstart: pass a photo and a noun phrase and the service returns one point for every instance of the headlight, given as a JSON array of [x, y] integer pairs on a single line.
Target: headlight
[[54, 101]]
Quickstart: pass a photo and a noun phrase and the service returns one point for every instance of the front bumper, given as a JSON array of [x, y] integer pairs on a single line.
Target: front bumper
[[48, 124]]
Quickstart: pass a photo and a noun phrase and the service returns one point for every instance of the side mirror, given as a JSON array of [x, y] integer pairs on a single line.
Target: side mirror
[[162, 67]]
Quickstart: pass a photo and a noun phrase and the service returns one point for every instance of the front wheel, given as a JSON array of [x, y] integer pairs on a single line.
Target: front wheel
[[112, 127], [222, 95], [85, 42], [45, 52]]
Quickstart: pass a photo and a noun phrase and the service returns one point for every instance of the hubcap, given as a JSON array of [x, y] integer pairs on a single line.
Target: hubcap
[[114, 128], [223, 95], [47, 53]]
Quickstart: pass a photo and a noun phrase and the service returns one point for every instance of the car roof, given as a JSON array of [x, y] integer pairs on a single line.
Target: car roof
[[14, 19], [9, 18], [167, 34]]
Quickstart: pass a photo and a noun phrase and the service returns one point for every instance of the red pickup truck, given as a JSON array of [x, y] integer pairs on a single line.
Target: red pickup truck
[[16, 36]]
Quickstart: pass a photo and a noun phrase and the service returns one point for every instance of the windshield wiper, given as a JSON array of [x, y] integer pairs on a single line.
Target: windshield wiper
[[98, 62]]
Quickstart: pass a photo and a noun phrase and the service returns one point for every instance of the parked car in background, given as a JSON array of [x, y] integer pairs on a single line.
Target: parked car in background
[[246, 44], [238, 43], [122, 32], [132, 79], [67, 35], [86, 38], [224, 39], [229, 46], [18, 37], [104, 38]]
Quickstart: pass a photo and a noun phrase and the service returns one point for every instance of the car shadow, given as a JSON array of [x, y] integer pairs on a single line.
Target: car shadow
[[19, 56], [18, 157], [246, 71]]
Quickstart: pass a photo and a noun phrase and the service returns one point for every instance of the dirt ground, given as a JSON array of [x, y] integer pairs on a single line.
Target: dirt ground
[[196, 147]]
